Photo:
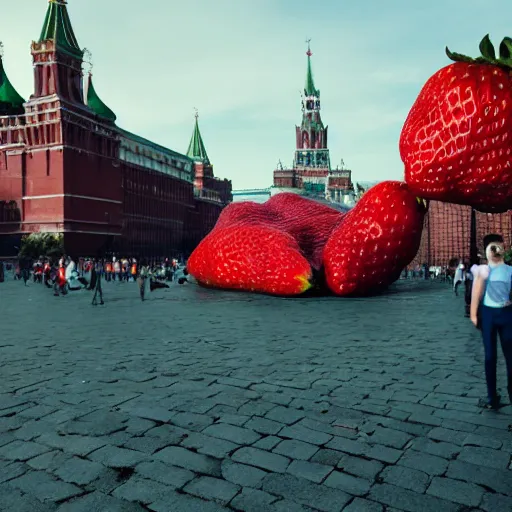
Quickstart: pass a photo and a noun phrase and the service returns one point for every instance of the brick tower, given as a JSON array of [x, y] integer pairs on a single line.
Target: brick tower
[[311, 173]]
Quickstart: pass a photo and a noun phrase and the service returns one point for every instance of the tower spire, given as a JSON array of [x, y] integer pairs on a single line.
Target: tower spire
[[57, 27], [11, 102], [196, 149], [309, 89]]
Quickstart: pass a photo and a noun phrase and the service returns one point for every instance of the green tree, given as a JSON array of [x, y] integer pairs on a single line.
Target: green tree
[[33, 246]]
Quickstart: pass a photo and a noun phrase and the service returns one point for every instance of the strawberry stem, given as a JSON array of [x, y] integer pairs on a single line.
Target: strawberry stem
[[487, 54]]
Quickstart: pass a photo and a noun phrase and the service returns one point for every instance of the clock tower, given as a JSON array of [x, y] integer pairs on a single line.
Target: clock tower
[[311, 145]]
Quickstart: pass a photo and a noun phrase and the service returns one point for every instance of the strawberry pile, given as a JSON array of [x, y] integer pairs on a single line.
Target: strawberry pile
[[275, 247], [456, 143]]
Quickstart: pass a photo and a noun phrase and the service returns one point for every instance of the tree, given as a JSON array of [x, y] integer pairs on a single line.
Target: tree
[[50, 245]]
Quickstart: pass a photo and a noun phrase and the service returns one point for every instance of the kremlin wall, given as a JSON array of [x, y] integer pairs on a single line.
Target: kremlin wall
[[66, 167]]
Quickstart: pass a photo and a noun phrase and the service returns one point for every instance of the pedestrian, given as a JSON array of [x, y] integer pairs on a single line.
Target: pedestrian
[[491, 310], [458, 279], [96, 284], [141, 280]]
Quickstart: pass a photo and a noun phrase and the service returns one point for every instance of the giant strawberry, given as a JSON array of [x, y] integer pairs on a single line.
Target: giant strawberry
[[456, 143], [254, 258], [375, 240], [308, 221]]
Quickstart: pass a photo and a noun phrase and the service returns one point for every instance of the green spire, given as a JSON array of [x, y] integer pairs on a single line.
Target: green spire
[[196, 149], [309, 89], [10, 100], [57, 27], [96, 105]]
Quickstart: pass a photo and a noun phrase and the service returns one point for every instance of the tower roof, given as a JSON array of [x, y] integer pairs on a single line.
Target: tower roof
[[196, 149], [309, 89], [10, 100], [57, 27], [95, 103]]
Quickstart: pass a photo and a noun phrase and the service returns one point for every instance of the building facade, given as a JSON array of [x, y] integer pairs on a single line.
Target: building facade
[[66, 167], [311, 174]]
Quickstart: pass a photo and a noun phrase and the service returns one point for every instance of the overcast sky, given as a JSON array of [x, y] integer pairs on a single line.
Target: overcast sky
[[242, 63]]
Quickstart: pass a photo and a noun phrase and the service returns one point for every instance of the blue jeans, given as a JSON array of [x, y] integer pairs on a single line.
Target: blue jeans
[[496, 321]]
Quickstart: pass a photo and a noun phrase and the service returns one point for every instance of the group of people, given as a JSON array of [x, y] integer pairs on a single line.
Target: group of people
[[68, 273]]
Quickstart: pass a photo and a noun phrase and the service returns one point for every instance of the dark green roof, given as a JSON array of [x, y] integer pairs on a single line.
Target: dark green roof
[[96, 105], [57, 27], [310, 89], [196, 149], [10, 100]]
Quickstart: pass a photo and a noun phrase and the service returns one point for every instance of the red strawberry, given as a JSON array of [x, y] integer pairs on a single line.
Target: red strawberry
[[375, 240], [246, 213], [254, 258], [456, 143], [308, 221]]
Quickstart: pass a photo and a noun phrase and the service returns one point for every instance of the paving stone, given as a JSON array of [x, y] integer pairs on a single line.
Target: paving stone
[[79, 471], [146, 444], [263, 425], [185, 503], [246, 476], [142, 490], [13, 500], [361, 505], [115, 457], [139, 426], [164, 473], [360, 467], [405, 477], [348, 483], [499, 480], [253, 500], [447, 435], [486, 442], [304, 492], [438, 448], [288, 506], [183, 458], [261, 459], [233, 419], [49, 461], [390, 437], [171, 434], [496, 503], [307, 435], [209, 445], [44, 487], [22, 451], [421, 461], [296, 449], [485, 457], [232, 433], [454, 490], [76, 445], [267, 443], [309, 470], [210, 488], [425, 419], [404, 499], [150, 412], [12, 423], [195, 422], [9, 471], [285, 415], [328, 457], [383, 453], [98, 501], [347, 445], [32, 429], [37, 412]]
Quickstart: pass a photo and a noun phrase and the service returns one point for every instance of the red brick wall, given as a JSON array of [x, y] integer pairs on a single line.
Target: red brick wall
[[449, 227]]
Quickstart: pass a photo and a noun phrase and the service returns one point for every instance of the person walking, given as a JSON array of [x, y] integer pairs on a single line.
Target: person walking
[[143, 276], [96, 284], [458, 279], [491, 310]]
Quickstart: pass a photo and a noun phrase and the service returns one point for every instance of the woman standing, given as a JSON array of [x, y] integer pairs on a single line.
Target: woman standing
[[491, 298]]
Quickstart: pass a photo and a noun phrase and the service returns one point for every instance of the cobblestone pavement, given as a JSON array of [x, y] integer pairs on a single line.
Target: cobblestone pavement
[[200, 401]]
